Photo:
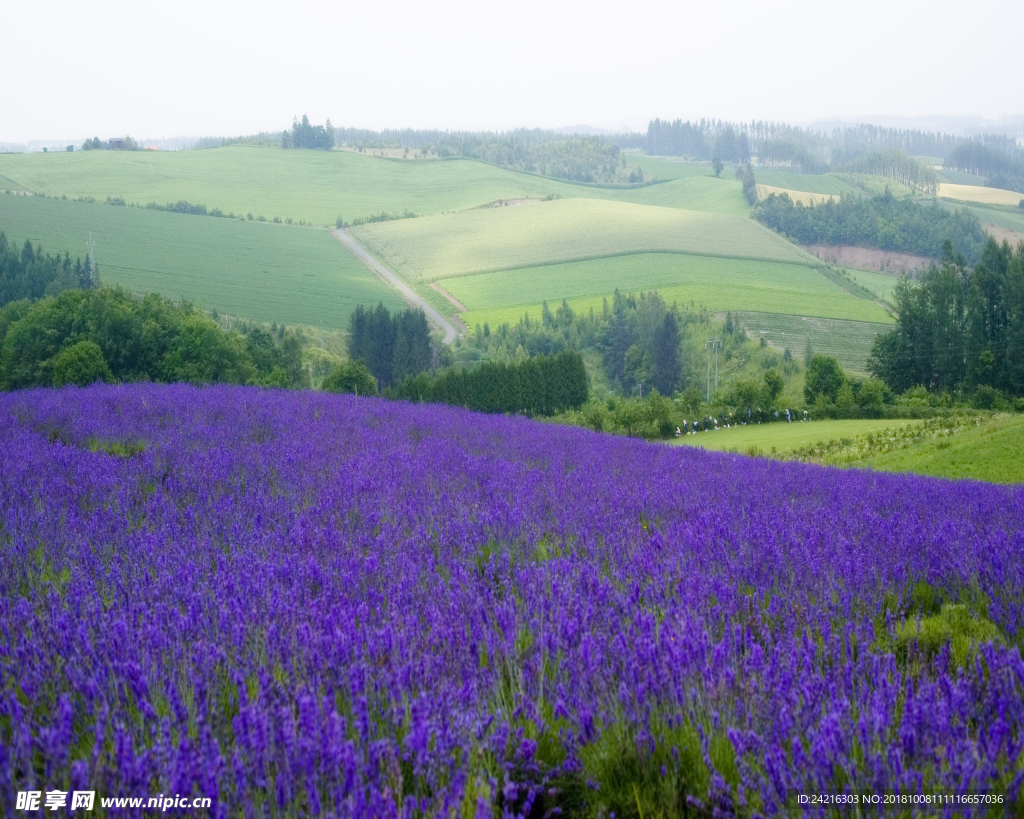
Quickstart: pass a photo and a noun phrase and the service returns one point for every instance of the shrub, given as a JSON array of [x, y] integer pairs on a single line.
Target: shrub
[[955, 625], [350, 377], [81, 364]]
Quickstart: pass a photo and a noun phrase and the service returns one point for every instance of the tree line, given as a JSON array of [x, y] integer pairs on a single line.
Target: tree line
[[883, 222], [1001, 169], [32, 274], [305, 135], [539, 386], [960, 328], [393, 347]]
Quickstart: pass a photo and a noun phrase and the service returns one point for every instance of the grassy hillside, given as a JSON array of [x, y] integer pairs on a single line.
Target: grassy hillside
[[560, 231], [881, 284], [714, 283], [960, 177], [783, 437], [319, 186], [848, 341], [811, 183], [979, 194], [992, 452], [262, 271], [314, 186], [724, 195]]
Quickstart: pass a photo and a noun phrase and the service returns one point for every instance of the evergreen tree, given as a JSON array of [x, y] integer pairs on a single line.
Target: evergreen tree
[[667, 363]]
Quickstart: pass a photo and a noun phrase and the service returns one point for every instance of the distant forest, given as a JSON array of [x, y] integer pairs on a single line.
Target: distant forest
[[1002, 169], [884, 222]]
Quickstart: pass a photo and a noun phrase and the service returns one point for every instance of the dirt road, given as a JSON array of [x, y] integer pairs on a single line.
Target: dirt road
[[450, 333]]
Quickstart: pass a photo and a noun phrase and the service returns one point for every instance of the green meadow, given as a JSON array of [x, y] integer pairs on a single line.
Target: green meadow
[[255, 270], [848, 341], [881, 284], [1006, 219], [716, 284], [810, 183], [319, 186], [493, 239], [311, 186], [783, 437], [992, 452]]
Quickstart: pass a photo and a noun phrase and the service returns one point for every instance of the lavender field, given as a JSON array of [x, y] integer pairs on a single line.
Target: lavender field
[[311, 605]]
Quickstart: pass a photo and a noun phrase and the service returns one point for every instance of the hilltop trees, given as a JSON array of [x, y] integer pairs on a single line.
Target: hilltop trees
[[304, 135]]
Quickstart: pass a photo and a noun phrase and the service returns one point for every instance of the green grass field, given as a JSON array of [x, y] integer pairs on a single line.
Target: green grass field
[[704, 193], [671, 167], [261, 271], [992, 452], [881, 284], [811, 183], [319, 186], [960, 177], [783, 437], [561, 231], [1006, 219], [714, 283], [848, 341], [314, 186]]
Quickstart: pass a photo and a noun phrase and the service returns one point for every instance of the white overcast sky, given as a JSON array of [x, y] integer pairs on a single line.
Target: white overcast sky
[[73, 68]]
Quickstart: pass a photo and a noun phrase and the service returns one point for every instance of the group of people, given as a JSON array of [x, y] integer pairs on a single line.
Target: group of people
[[724, 421]]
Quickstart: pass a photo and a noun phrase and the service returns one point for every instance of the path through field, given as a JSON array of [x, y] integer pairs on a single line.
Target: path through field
[[407, 292]]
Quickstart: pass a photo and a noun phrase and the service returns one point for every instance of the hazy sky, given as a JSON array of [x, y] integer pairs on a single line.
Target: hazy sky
[[73, 68]]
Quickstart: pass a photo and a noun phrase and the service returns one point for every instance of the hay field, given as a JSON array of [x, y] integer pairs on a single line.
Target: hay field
[[979, 194], [803, 197], [261, 271], [713, 283], [565, 230]]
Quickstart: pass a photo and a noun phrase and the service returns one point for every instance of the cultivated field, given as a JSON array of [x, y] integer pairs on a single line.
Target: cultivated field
[[779, 438], [849, 341], [960, 177], [803, 197], [980, 194], [811, 183], [881, 284], [713, 283], [560, 231], [261, 271], [319, 186], [704, 193], [314, 186]]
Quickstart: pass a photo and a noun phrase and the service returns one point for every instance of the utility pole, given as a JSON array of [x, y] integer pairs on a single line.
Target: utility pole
[[713, 344]]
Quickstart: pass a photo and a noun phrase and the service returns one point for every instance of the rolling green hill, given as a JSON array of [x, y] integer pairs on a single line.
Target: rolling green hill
[[319, 186], [714, 283], [566, 230], [261, 271]]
